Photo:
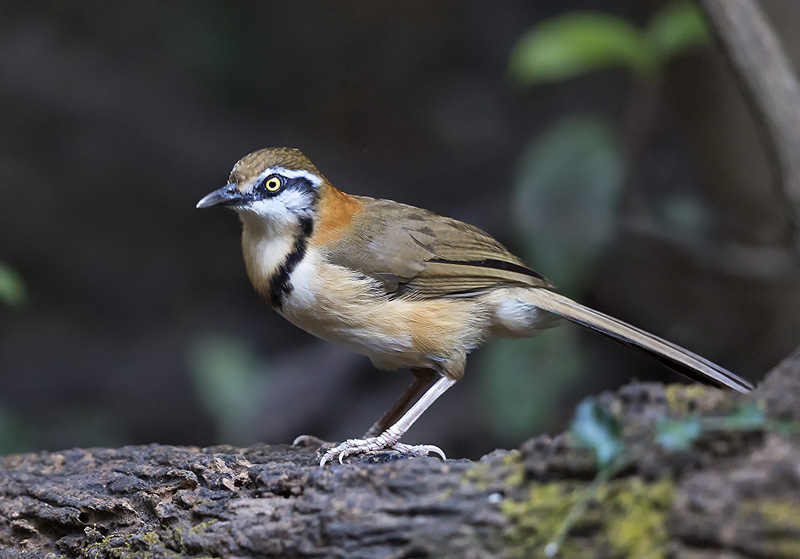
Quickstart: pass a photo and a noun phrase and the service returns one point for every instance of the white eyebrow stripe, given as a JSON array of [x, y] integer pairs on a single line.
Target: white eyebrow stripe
[[290, 174]]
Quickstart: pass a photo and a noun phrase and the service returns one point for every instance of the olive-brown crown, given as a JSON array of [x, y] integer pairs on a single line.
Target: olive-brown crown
[[253, 164]]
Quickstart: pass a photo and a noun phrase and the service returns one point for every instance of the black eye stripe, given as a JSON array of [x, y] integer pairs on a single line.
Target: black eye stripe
[[302, 184]]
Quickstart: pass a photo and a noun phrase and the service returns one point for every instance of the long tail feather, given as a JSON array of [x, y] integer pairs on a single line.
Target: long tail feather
[[673, 356]]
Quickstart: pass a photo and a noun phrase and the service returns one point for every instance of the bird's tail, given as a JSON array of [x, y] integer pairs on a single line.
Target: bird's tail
[[675, 357]]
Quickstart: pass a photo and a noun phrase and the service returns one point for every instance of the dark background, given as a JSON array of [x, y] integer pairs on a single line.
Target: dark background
[[139, 324]]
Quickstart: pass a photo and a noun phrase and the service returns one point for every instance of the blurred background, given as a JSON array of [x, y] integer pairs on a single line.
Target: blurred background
[[605, 141]]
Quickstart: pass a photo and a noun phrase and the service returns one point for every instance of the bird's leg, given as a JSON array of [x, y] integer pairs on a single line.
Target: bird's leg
[[389, 438], [422, 380]]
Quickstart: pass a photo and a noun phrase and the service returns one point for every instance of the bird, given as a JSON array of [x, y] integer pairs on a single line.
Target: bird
[[406, 287]]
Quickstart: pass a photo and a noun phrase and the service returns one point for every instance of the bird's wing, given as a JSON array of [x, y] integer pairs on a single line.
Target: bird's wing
[[414, 252]]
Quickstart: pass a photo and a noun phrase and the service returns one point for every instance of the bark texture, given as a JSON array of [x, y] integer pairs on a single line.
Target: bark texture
[[734, 494]]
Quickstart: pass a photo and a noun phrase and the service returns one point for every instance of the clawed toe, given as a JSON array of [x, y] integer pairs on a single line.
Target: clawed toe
[[419, 449], [348, 447], [309, 440]]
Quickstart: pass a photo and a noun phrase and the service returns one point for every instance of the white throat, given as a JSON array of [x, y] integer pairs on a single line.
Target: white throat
[[266, 243]]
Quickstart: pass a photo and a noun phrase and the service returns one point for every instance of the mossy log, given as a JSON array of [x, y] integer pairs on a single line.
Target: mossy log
[[733, 494]]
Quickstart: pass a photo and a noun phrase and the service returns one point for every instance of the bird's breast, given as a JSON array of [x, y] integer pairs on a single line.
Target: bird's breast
[[344, 307], [340, 306]]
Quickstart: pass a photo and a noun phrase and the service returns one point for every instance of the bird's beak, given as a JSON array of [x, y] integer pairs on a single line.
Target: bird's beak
[[228, 195]]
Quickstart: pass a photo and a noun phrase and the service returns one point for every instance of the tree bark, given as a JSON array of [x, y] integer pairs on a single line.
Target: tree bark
[[734, 494]]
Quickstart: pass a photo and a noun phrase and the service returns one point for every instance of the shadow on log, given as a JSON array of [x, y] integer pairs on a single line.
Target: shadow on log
[[732, 494]]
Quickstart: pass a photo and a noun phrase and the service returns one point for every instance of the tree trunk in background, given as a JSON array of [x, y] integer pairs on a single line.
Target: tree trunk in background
[[766, 77]]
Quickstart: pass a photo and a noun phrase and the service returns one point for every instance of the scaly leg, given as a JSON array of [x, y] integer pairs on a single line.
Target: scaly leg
[[390, 437], [422, 380]]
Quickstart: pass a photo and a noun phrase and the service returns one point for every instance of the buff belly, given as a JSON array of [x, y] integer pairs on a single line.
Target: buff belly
[[337, 305]]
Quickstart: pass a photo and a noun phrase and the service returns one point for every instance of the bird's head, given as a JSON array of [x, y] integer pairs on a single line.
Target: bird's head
[[275, 186]]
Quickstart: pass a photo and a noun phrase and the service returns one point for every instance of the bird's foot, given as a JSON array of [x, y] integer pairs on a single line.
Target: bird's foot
[[384, 441]]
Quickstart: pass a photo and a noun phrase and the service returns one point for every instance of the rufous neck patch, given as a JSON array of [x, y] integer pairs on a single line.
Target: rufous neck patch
[[335, 214]]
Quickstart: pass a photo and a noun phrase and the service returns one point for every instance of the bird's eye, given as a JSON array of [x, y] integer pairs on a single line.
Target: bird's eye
[[273, 184]]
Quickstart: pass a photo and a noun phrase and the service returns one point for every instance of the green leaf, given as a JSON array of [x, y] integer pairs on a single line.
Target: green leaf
[[566, 198], [580, 42], [678, 434], [595, 427], [746, 417], [678, 27], [12, 288]]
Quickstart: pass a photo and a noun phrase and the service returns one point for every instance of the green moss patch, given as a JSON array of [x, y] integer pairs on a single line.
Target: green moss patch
[[627, 518]]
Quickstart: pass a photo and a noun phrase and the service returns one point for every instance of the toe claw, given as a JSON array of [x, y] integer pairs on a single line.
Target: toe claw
[[305, 440], [340, 451], [436, 450], [419, 450], [325, 459]]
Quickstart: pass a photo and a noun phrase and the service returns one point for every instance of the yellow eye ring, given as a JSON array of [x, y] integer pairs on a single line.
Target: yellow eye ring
[[273, 184]]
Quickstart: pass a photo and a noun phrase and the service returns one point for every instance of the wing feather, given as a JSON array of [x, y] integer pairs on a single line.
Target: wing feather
[[414, 252]]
